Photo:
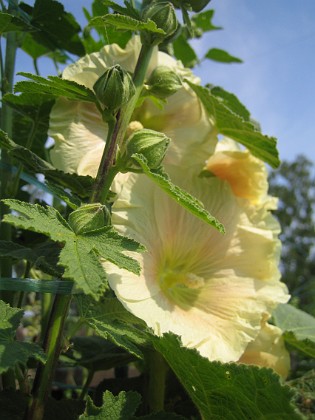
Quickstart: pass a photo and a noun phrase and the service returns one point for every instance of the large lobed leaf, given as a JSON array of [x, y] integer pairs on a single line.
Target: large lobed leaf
[[14, 352], [227, 391], [81, 254], [235, 127]]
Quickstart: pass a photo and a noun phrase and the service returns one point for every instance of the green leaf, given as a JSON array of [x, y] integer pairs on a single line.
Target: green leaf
[[30, 119], [125, 23], [114, 408], [81, 254], [13, 352], [221, 56], [54, 86], [231, 101], [81, 185], [298, 327], [111, 321], [227, 391], [289, 318], [236, 128], [184, 52], [305, 346], [56, 29], [16, 251], [95, 353], [10, 23], [183, 198], [203, 21]]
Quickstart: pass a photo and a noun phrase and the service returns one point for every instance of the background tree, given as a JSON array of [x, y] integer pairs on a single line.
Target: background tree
[[294, 184]]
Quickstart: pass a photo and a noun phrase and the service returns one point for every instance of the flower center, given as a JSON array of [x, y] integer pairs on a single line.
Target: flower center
[[182, 288]]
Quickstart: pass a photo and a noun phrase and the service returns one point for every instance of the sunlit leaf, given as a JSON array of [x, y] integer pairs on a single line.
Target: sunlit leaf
[[221, 56], [81, 254], [233, 126], [227, 391]]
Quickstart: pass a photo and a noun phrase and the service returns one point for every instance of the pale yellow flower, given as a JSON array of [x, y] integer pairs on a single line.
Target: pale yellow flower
[[211, 289], [80, 133], [246, 174], [268, 350]]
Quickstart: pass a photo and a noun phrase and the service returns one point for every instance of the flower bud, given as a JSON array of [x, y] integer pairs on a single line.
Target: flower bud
[[89, 217], [114, 88], [151, 144], [163, 14], [164, 82]]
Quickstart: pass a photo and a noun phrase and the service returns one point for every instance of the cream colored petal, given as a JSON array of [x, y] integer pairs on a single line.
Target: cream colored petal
[[268, 350], [77, 128], [191, 274]]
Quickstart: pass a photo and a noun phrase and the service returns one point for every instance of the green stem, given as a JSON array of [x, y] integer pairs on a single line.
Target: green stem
[[106, 164], [116, 132], [6, 125], [157, 376], [52, 345], [86, 384]]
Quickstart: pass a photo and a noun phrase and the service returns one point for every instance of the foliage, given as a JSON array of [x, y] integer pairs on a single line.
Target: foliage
[[54, 259]]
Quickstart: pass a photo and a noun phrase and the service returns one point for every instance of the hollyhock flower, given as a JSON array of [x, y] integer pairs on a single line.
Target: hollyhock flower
[[268, 350], [211, 289], [246, 174], [80, 133]]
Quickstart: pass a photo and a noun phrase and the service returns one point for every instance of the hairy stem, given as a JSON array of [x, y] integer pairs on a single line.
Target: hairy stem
[[116, 132]]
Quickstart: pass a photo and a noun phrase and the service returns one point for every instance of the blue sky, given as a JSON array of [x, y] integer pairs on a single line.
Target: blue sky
[[276, 41]]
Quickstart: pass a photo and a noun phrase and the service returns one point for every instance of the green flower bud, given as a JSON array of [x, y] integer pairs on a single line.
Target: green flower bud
[[163, 14], [164, 82], [114, 88], [89, 217], [151, 144]]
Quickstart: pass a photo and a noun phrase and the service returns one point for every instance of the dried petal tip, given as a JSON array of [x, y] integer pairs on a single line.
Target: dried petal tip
[[114, 88], [89, 217], [164, 82]]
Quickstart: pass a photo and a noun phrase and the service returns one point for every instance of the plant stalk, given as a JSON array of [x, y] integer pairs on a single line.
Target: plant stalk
[[157, 376], [116, 133], [53, 342]]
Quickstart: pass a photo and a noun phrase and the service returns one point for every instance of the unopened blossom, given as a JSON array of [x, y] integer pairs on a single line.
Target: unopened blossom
[[80, 133], [246, 174], [212, 290], [268, 350]]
